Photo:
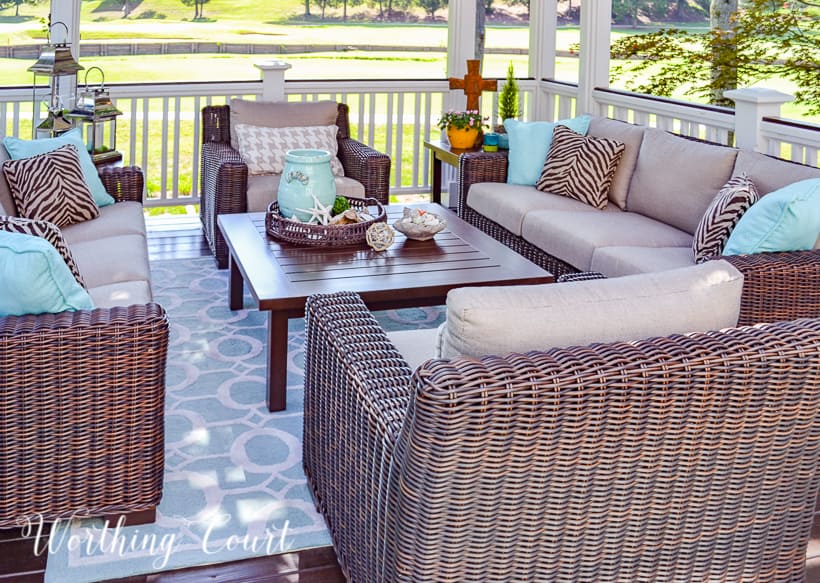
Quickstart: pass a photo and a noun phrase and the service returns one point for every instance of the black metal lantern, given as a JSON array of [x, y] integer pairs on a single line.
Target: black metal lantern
[[56, 62]]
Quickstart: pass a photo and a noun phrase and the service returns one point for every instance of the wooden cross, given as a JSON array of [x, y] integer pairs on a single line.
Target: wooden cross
[[473, 84]]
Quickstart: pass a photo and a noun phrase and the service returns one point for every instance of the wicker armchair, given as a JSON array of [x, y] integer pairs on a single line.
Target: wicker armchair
[[82, 398], [683, 458], [224, 175]]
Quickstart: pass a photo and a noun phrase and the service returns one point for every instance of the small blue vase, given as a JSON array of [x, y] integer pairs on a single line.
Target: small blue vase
[[503, 141], [307, 174]]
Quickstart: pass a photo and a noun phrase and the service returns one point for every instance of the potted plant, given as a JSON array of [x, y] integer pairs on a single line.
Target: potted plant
[[463, 127], [507, 105]]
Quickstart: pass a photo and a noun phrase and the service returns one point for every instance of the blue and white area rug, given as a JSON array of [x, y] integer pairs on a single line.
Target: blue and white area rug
[[234, 485]]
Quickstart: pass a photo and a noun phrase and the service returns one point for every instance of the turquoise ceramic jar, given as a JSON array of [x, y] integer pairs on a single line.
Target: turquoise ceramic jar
[[307, 173]]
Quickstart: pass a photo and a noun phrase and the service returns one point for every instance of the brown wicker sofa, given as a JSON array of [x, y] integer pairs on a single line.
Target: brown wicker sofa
[[82, 394], [636, 234], [678, 458], [224, 175]]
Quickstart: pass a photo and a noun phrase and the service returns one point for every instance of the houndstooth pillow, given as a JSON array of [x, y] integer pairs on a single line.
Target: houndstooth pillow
[[580, 167], [45, 230], [734, 199], [264, 149], [51, 187]]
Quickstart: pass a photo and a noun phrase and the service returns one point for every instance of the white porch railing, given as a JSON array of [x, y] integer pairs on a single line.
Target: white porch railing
[[160, 129]]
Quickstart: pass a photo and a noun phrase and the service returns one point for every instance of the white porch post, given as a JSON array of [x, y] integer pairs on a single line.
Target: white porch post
[[543, 27], [67, 12], [273, 79], [752, 104], [594, 67], [460, 46]]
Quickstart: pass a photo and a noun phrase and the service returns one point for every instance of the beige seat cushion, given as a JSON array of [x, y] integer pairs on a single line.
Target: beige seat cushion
[[618, 261], [507, 204], [112, 260], [574, 236], [500, 320], [281, 114], [7, 206], [769, 173], [415, 346], [122, 218], [675, 179], [262, 190], [123, 293], [631, 136]]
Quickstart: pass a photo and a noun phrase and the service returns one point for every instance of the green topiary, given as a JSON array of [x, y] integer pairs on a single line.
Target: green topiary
[[508, 98], [340, 205]]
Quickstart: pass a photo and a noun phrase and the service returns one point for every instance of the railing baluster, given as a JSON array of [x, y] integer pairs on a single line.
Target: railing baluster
[[175, 167], [196, 154]]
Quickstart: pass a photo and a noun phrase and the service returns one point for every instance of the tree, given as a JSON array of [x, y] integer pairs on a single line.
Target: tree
[[744, 46], [431, 6], [198, 7], [307, 8], [16, 3]]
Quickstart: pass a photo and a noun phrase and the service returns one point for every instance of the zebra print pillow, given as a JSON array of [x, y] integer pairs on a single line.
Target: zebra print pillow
[[580, 167], [45, 230], [734, 199], [51, 187]]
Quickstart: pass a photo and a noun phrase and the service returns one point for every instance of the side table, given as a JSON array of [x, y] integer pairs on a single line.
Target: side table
[[442, 152]]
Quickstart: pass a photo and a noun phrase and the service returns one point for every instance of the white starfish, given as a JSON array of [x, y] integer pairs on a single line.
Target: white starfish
[[320, 213]]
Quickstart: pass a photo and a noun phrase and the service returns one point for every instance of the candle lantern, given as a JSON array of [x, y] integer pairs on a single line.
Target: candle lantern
[[56, 63], [97, 112]]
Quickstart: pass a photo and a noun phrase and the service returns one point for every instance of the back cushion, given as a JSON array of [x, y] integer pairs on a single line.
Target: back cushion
[[770, 174], [500, 320], [7, 206], [675, 179], [281, 114], [631, 136]]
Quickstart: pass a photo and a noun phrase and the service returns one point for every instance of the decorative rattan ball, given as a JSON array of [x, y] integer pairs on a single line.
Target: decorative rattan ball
[[380, 236]]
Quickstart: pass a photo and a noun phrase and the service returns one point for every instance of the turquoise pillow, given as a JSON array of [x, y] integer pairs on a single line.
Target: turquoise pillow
[[529, 144], [19, 149], [34, 278], [784, 220]]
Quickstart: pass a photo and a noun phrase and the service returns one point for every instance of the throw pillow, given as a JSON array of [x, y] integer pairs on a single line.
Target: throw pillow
[[580, 167], [34, 279], [529, 144], [50, 187], [784, 220], [264, 149], [728, 206], [19, 149], [45, 230]]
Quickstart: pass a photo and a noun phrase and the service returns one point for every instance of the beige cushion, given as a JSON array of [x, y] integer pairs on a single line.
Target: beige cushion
[[675, 179], [769, 173], [122, 218], [507, 204], [112, 260], [618, 261], [123, 293], [262, 189], [631, 136], [574, 236], [7, 206], [500, 320], [415, 346], [281, 114]]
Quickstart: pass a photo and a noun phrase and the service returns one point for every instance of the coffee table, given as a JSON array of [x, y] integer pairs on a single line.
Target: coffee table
[[281, 276]]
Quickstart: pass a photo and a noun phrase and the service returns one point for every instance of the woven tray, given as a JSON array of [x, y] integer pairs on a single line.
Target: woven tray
[[284, 229]]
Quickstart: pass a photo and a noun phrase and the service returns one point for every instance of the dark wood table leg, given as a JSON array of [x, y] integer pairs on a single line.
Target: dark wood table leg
[[435, 164], [235, 285], [277, 361]]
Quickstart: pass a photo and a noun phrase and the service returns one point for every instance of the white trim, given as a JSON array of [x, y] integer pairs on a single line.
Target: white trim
[[593, 71]]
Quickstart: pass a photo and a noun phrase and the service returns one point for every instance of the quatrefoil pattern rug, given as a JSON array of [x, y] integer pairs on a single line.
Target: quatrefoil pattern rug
[[234, 485]]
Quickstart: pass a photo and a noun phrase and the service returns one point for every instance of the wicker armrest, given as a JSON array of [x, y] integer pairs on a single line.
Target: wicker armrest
[[368, 166], [123, 183], [82, 406], [357, 390], [479, 167], [778, 286]]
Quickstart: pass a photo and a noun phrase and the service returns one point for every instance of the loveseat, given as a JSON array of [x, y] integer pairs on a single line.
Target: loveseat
[[670, 458], [659, 193], [228, 186], [82, 392]]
